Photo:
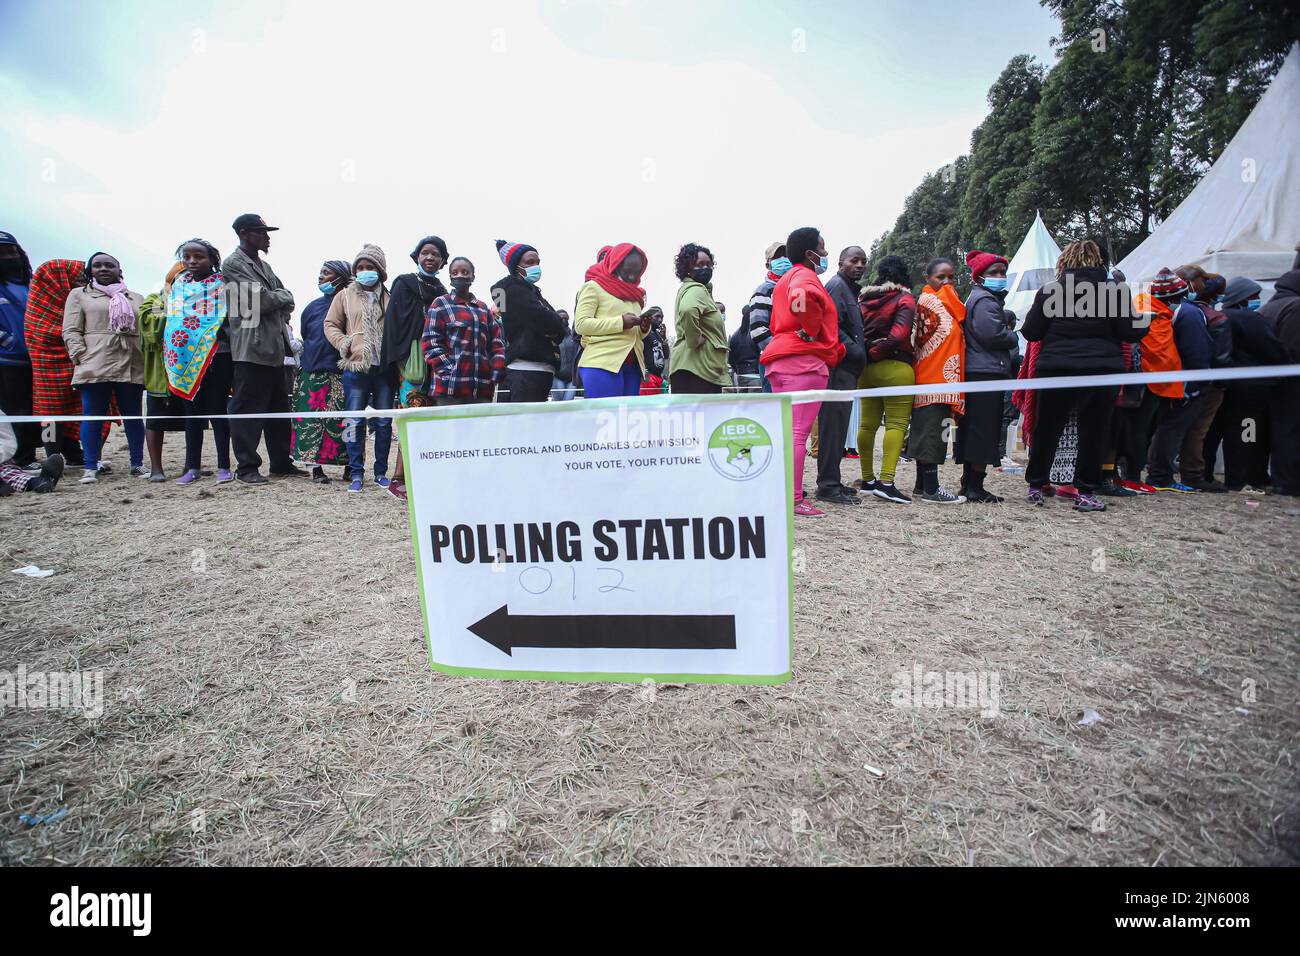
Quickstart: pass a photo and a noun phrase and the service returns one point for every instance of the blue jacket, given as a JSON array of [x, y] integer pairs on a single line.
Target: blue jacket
[[13, 306], [1192, 338], [317, 353]]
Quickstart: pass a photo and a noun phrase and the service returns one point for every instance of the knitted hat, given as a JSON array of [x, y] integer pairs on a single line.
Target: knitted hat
[[1168, 285], [980, 262], [338, 267], [1241, 289], [376, 255], [435, 241], [512, 252]]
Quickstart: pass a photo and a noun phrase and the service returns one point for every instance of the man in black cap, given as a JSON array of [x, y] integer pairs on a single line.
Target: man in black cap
[[258, 308]]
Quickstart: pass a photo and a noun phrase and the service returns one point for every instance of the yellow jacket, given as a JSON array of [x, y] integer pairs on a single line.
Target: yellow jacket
[[599, 320]]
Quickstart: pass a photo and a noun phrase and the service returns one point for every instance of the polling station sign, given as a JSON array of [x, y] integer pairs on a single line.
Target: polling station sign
[[605, 540]]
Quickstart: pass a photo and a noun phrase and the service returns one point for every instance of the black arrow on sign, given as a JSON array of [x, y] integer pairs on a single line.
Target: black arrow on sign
[[676, 632]]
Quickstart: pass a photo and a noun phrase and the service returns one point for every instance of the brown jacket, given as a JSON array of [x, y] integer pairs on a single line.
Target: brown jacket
[[359, 344], [99, 353]]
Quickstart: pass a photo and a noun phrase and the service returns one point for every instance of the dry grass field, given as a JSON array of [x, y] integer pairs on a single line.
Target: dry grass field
[[275, 706]]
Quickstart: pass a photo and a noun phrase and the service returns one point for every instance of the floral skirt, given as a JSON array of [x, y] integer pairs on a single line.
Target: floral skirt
[[319, 441]]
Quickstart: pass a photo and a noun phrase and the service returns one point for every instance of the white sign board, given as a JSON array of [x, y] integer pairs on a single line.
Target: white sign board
[[619, 539]]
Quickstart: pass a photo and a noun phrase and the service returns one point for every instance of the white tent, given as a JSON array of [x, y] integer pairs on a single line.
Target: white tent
[[1243, 217], [1031, 268]]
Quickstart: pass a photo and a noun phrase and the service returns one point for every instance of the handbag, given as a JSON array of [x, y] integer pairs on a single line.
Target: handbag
[[415, 369]]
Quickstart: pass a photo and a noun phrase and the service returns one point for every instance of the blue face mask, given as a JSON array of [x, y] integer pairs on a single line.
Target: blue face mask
[[1254, 304], [367, 278], [1191, 297], [996, 283], [327, 288], [533, 275], [781, 266], [427, 275], [822, 266]]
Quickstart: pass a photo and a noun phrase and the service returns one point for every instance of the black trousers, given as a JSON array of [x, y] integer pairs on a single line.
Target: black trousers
[[1246, 424], [833, 431], [259, 388], [1285, 408], [688, 383], [1095, 407], [16, 399], [527, 385], [211, 399], [1175, 416]]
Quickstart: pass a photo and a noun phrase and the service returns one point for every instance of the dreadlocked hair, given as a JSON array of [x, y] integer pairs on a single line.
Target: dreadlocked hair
[[214, 256], [1080, 254], [686, 257]]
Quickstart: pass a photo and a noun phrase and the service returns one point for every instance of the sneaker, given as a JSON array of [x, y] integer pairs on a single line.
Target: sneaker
[[319, 477], [1036, 497], [89, 478], [1067, 491], [31, 467], [225, 476], [105, 468], [836, 496], [51, 472], [188, 478], [1115, 489], [1137, 487], [397, 490], [943, 497], [866, 487], [805, 510], [1252, 490], [852, 453], [382, 481], [252, 478], [1087, 502], [1175, 487], [355, 486], [1209, 487], [983, 497], [139, 471], [890, 493]]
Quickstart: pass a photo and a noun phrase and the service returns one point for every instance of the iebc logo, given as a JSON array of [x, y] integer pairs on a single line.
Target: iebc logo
[[740, 449]]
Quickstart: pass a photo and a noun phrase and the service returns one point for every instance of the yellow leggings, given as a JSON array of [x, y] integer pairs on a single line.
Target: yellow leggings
[[895, 410]]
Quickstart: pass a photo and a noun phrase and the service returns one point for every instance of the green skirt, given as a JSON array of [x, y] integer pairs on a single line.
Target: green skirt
[[319, 441]]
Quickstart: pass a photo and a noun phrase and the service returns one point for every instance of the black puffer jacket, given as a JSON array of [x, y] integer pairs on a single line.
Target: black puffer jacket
[[1283, 311], [989, 340], [532, 328], [1081, 319]]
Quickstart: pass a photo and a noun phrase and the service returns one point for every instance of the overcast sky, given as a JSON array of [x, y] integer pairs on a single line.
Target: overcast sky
[[565, 124]]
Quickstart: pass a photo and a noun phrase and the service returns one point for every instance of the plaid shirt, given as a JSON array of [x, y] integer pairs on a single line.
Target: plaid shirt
[[464, 347]]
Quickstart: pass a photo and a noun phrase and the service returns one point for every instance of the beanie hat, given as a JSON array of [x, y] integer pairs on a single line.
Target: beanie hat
[[1168, 285], [376, 255], [1240, 289], [429, 241], [512, 252], [980, 262]]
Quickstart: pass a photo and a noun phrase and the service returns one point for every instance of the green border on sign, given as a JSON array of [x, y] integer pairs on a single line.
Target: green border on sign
[[489, 411]]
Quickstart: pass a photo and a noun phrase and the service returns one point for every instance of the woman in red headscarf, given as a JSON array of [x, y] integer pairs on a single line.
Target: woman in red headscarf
[[608, 317], [52, 369]]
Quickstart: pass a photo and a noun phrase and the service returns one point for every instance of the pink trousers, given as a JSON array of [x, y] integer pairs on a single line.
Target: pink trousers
[[801, 416]]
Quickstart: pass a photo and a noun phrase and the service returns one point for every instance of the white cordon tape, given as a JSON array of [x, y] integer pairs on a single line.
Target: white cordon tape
[[819, 395]]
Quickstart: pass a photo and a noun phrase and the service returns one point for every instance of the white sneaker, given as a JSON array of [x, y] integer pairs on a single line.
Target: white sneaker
[[89, 478]]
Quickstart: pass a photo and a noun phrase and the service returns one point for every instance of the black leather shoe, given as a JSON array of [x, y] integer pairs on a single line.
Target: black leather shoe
[[252, 478]]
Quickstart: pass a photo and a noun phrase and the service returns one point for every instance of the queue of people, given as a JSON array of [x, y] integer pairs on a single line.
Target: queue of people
[[216, 338]]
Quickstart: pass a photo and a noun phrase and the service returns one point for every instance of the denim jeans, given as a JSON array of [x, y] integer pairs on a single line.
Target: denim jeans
[[562, 391], [94, 401], [375, 388]]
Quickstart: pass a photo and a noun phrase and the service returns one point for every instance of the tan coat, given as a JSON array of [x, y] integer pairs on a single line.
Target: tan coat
[[359, 344], [99, 353]]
